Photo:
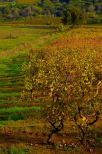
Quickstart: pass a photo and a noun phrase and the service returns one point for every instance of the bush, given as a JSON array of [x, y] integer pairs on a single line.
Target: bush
[[61, 28]]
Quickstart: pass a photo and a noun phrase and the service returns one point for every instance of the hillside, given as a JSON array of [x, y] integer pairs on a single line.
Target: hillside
[[23, 126], [50, 76]]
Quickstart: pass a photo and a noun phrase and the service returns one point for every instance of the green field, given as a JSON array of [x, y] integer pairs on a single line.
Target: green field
[[15, 42]]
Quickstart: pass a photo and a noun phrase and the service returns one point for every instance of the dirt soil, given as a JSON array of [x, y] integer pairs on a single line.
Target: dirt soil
[[37, 140]]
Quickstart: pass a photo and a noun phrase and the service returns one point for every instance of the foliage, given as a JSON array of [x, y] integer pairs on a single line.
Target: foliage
[[74, 16], [86, 104], [44, 77], [19, 9], [69, 78]]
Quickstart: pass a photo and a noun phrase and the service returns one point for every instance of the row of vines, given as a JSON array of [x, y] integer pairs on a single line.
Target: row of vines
[[68, 74]]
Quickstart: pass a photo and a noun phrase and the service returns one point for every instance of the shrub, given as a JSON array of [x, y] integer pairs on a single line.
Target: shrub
[[61, 28]]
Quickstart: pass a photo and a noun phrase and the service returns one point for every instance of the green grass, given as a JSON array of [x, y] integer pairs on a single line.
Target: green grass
[[18, 109], [18, 113], [19, 36], [11, 78], [15, 42], [16, 150]]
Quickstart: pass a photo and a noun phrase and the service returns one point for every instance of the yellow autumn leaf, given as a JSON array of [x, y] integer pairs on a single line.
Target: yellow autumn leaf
[[84, 119]]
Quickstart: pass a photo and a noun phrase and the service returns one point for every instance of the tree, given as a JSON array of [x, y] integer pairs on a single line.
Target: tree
[[11, 12], [85, 100], [57, 7], [56, 116], [44, 76], [26, 12], [74, 16], [77, 3], [98, 7], [71, 86], [48, 7]]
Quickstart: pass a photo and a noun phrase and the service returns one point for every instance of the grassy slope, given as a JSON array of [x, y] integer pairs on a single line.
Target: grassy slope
[[15, 42]]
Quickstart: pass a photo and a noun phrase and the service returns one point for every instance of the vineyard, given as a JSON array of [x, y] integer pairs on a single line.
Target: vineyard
[[53, 88], [50, 76]]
